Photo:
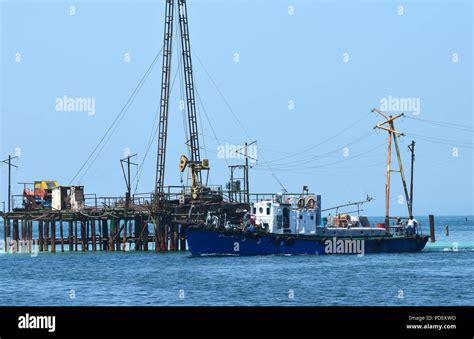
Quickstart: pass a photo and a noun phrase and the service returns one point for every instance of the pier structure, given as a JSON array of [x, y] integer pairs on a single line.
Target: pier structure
[[100, 224], [109, 227], [106, 224]]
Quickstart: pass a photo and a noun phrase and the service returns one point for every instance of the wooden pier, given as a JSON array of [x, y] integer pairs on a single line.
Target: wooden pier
[[113, 229]]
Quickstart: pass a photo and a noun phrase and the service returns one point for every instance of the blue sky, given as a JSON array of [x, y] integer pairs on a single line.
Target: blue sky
[[306, 79]]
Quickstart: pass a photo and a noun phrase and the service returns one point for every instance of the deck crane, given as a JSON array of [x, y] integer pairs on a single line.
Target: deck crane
[[194, 163]]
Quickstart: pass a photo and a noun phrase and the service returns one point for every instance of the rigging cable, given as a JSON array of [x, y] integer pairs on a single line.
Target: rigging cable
[[234, 115], [442, 141], [465, 128], [116, 121], [289, 168], [154, 130], [209, 122], [326, 140], [323, 155]]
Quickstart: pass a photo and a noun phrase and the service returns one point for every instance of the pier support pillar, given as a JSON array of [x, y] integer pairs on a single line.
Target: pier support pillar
[[15, 232], [105, 235], [46, 236], [30, 235], [157, 235], [70, 235], [40, 236], [61, 234], [76, 240], [137, 232], [113, 226], [144, 235], [8, 234], [83, 236], [432, 228], [53, 236], [94, 245], [124, 234], [165, 238], [24, 235]]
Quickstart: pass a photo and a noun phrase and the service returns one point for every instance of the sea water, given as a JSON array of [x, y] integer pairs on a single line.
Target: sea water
[[442, 274]]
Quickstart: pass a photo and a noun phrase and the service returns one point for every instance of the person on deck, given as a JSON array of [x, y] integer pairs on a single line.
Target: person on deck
[[415, 226], [410, 226], [399, 229]]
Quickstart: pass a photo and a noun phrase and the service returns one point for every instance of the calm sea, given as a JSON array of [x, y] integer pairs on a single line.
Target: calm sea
[[443, 274]]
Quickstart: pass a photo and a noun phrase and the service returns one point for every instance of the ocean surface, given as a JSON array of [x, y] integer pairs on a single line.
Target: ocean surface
[[443, 274]]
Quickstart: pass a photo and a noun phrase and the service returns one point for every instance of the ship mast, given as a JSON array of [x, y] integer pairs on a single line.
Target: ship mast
[[392, 133]]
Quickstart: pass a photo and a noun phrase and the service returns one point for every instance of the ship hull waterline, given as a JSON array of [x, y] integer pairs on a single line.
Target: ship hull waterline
[[205, 242]]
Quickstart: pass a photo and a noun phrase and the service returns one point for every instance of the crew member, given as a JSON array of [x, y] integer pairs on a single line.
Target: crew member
[[411, 226]]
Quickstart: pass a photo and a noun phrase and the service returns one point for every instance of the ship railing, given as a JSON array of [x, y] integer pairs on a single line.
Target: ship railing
[[17, 202], [90, 200], [398, 230], [171, 193], [111, 202], [256, 197], [143, 198], [174, 192]]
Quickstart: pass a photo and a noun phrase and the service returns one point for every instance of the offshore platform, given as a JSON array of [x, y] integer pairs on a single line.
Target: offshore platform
[[65, 217]]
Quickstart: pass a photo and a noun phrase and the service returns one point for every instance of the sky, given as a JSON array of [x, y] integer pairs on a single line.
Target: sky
[[299, 77]]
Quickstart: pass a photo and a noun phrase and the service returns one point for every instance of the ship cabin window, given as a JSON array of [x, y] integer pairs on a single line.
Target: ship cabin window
[[301, 217], [260, 210], [312, 217], [254, 210], [268, 210]]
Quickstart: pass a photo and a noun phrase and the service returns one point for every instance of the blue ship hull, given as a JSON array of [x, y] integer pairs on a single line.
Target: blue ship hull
[[214, 242]]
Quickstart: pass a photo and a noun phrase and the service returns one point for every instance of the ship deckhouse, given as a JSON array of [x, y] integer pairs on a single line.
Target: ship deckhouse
[[294, 215]]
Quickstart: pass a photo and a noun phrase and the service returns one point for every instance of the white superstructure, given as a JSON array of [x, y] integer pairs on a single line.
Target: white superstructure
[[295, 215]]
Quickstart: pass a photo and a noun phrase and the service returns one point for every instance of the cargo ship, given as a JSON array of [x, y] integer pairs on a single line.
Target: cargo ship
[[293, 226]]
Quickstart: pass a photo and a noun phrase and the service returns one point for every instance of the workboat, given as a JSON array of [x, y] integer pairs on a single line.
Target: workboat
[[294, 226]]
